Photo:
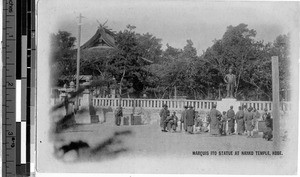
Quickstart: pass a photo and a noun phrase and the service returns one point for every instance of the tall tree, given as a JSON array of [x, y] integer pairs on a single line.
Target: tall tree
[[62, 55], [237, 48]]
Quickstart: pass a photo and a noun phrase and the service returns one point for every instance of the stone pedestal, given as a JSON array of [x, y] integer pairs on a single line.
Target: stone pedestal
[[224, 104], [85, 101]]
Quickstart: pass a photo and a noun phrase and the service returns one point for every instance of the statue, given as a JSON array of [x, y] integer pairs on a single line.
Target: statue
[[230, 80]]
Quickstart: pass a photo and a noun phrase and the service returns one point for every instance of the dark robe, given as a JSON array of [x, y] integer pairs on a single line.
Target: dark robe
[[190, 117], [164, 113], [214, 117], [172, 122], [249, 119], [118, 116], [267, 134], [265, 115], [239, 117], [231, 120]]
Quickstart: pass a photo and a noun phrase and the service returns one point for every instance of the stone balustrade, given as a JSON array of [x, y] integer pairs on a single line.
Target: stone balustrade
[[153, 103], [179, 104], [175, 104], [261, 105]]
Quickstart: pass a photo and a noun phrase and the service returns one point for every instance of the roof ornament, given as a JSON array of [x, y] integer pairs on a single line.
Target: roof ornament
[[101, 26]]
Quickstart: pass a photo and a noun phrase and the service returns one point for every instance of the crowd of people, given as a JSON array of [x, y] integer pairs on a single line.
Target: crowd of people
[[217, 123]]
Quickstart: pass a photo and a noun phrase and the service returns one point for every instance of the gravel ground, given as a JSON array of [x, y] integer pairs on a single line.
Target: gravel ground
[[149, 140]]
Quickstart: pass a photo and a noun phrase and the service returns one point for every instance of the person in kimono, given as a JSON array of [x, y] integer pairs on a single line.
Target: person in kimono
[[231, 120], [223, 123], [70, 109], [245, 109], [172, 122], [164, 114], [214, 117], [190, 119], [267, 134], [256, 118], [118, 115], [249, 122], [265, 114], [239, 117], [183, 119]]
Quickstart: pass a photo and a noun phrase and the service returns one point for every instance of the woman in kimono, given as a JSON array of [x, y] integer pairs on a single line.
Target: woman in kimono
[[239, 117], [249, 120], [214, 117], [223, 123], [190, 119], [231, 120]]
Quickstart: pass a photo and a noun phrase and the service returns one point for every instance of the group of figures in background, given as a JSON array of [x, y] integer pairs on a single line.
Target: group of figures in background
[[216, 123]]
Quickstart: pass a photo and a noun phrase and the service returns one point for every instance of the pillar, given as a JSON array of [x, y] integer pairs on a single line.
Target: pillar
[[275, 98]]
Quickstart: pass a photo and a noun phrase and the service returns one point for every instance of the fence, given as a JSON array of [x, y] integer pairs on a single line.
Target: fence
[[175, 103], [261, 105], [179, 104], [153, 103]]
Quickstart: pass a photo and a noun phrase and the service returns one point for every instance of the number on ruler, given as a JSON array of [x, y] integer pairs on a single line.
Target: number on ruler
[[10, 84], [12, 142], [10, 6], [10, 133]]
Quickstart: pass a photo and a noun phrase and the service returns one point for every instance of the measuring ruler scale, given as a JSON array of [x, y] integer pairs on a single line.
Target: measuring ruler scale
[[18, 49]]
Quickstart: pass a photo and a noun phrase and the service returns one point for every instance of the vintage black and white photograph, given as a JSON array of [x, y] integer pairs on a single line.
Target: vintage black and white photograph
[[167, 86]]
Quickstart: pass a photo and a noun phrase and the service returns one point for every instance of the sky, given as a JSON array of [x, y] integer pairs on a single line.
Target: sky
[[173, 21]]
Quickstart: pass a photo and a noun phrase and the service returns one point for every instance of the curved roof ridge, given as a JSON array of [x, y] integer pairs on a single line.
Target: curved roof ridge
[[101, 32]]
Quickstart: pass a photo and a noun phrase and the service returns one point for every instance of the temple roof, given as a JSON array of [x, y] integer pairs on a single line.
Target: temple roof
[[103, 38]]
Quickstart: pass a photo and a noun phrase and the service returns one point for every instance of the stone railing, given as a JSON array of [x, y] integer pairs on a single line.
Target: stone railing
[[179, 104], [174, 104], [153, 103], [261, 105]]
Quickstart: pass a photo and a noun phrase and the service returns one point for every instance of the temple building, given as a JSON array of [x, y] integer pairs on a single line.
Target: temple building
[[102, 39]]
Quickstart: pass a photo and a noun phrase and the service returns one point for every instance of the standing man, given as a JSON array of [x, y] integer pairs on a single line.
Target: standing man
[[164, 114], [214, 117], [70, 109], [231, 120], [249, 119], [190, 119], [230, 80], [245, 109], [223, 123], [256, 118], [239, 117], [183, 119], [118, 115]]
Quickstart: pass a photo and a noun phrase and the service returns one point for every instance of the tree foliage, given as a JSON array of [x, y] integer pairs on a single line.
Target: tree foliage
[[191, 75], [62, 58]]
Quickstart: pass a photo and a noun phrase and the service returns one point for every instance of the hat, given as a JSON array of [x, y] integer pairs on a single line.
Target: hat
[[185, 106], [165, 105], [190, 106]]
